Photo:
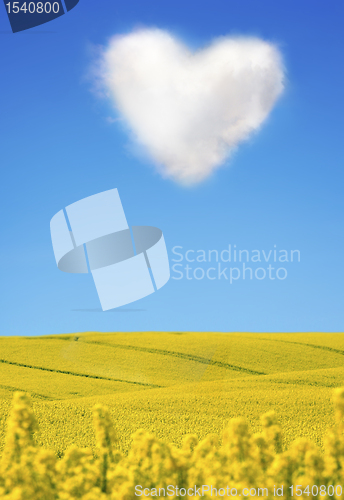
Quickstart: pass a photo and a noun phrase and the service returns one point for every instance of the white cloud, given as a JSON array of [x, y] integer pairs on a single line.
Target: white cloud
[[190, 110]]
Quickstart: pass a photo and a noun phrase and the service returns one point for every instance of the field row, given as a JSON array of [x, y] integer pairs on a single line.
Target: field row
[[171, 384], [163, 359]]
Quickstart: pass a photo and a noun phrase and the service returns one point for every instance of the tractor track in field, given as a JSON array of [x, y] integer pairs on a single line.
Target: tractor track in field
[[75, 374], [180, 355], [34, 394], [314, 346]]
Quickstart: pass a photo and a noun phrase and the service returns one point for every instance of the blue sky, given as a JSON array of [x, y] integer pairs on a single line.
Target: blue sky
[[283, 187]]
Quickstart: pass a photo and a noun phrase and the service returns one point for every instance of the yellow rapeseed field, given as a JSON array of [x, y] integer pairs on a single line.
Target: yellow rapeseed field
[[240, 464], [171, 384]]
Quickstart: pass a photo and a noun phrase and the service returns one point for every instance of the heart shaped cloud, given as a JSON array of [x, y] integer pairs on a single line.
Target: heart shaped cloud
[[191, 109]]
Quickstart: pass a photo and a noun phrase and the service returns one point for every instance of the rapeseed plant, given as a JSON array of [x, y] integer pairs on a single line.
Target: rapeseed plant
[[238, 461]]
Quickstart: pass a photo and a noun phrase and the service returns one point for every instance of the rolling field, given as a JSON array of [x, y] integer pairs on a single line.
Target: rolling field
[[171, 384]]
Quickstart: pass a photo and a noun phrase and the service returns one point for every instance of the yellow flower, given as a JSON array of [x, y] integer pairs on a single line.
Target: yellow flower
[[243, 460]]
